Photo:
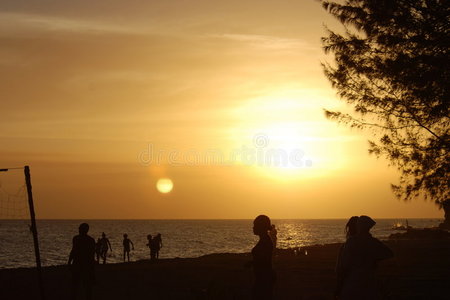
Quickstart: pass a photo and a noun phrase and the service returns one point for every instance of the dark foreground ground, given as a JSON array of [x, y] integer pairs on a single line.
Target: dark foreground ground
[[421, 270]]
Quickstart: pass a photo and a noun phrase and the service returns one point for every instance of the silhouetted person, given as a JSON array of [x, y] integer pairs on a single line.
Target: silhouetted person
[[98, 250], [154, 248], [82, 261], [350, 231], [149, 245], [104, 246], [273, 232], [126, 246], [262, 260], [157, 244], [359, 261]]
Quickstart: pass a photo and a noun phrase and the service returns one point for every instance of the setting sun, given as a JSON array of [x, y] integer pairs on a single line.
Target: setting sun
[[164, 185], [289, 134]]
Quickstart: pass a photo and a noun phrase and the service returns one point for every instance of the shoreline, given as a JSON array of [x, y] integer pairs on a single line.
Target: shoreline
[[403, 235], [420, 270], [218, 237], [279, 250]]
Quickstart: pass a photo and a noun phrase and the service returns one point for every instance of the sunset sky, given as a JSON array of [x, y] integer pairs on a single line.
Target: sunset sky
[[104, 98]]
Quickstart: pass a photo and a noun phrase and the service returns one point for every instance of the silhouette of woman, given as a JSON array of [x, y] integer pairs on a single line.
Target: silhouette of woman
[[350, 231], [262, 260], [359, 260]]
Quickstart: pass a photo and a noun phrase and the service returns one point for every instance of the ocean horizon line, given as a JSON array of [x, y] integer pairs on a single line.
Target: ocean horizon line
[[210, 219]]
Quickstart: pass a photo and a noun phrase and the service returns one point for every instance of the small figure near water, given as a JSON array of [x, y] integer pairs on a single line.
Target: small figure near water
[[265, 276], [82, 262], [149, 245], [104, 246], [126, 246], [157, 245], [357, 263]]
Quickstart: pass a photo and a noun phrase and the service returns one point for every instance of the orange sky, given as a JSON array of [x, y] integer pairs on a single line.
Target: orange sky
[[103, 99]]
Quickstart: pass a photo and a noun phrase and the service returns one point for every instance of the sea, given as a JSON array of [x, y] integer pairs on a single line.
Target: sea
[[181, 238]]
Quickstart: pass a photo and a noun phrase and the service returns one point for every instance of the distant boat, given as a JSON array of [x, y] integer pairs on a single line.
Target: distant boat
[[400, 226]]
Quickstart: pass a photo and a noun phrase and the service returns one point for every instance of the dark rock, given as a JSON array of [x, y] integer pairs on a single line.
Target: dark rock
[[425, 233]]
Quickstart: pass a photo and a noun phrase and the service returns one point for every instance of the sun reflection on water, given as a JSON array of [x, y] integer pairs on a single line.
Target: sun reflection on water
[[293, 236]]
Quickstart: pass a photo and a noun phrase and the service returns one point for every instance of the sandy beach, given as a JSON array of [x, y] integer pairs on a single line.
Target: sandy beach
[[420, 270]]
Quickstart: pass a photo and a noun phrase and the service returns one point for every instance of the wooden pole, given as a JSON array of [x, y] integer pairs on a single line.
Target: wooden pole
[[34, 231]]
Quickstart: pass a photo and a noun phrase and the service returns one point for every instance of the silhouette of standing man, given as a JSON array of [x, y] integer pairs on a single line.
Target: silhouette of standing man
[[157, 244], [150, 246], [126, 247], [104, 246], [82, 261], [262, 260]]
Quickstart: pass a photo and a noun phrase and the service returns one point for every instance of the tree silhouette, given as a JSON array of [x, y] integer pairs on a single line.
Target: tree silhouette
[[392, 65]]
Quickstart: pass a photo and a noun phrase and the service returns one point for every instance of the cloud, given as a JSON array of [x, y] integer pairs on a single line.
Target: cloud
[[266, 41], [12, 23]]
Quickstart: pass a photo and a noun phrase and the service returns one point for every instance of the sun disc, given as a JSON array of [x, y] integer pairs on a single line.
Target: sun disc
[[164, 185]]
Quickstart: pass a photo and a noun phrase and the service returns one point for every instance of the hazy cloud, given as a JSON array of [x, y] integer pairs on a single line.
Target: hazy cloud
[[265, 41], [13, 23]]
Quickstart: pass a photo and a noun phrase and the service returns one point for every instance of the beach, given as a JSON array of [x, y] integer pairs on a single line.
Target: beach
[[181, 238], [420, 270]]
